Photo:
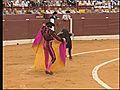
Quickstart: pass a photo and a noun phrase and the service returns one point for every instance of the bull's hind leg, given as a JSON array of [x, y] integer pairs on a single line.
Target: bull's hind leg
[[69, 51]]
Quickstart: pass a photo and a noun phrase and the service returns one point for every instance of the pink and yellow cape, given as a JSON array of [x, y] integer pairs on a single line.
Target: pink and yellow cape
[[59, 49]]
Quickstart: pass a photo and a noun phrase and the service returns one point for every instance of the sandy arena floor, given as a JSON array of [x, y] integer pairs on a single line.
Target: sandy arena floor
[[19, 72]]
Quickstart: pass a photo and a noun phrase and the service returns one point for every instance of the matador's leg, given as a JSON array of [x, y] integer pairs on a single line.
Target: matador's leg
[[52, 54], [46, 54]]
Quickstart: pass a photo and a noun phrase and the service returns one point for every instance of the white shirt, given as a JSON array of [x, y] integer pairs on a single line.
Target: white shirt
[[53, 21], [66, 17], [49, 12], [57, 3], [16, 3], [23, 4]]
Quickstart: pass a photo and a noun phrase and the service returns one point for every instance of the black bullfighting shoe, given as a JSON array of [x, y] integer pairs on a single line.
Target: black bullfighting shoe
[[50, 73], [70, 57]]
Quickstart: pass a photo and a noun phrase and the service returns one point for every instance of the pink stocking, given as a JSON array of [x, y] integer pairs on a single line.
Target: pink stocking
[[46, 56], [49, 66]]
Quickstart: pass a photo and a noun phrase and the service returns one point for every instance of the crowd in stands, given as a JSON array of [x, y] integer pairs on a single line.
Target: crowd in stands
[[40, 11], [99, 6], [27, 3]]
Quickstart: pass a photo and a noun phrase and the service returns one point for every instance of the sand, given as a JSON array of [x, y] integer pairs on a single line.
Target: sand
[[18, 68]]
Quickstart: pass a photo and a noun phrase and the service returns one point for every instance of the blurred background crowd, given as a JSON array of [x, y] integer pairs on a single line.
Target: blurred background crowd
[[11, 7]]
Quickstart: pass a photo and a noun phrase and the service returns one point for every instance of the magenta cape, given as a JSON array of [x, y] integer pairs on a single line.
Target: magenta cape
[[59, 49]]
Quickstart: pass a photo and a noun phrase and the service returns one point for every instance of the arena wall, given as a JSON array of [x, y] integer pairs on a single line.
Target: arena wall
[[26, 26]]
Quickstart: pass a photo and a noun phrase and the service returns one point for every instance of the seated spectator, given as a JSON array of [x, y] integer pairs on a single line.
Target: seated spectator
[[57, 3], [116, 9], [3, 3], [96, 10], [110, 10], [28, 11], [27, 3], [22, 3], [68, 9], [39, 15], [71, 2], [107, 10], [10, 11], [55, 9], [35, 11], [93, 2], [103, 10], [100, 10], [82, 11], [50, 3], [5, 11], [81, 3], [85, 2], [61, 2], [117, 2], [99, 3], [32, 3], [92, 10], [37, 3], [22, 11], [15, 11], [109, 4], [87, 11], [9, 3], [114, 3], [16, 3], [49, 11], [88, 3], [71, 10], [66, 16], [75, 10], [60, 11], [41, 11]]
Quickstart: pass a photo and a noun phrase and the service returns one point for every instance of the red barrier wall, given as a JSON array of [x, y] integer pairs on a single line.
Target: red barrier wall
[[96, 24], [91, 24], [19, 17], [23, 29]]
